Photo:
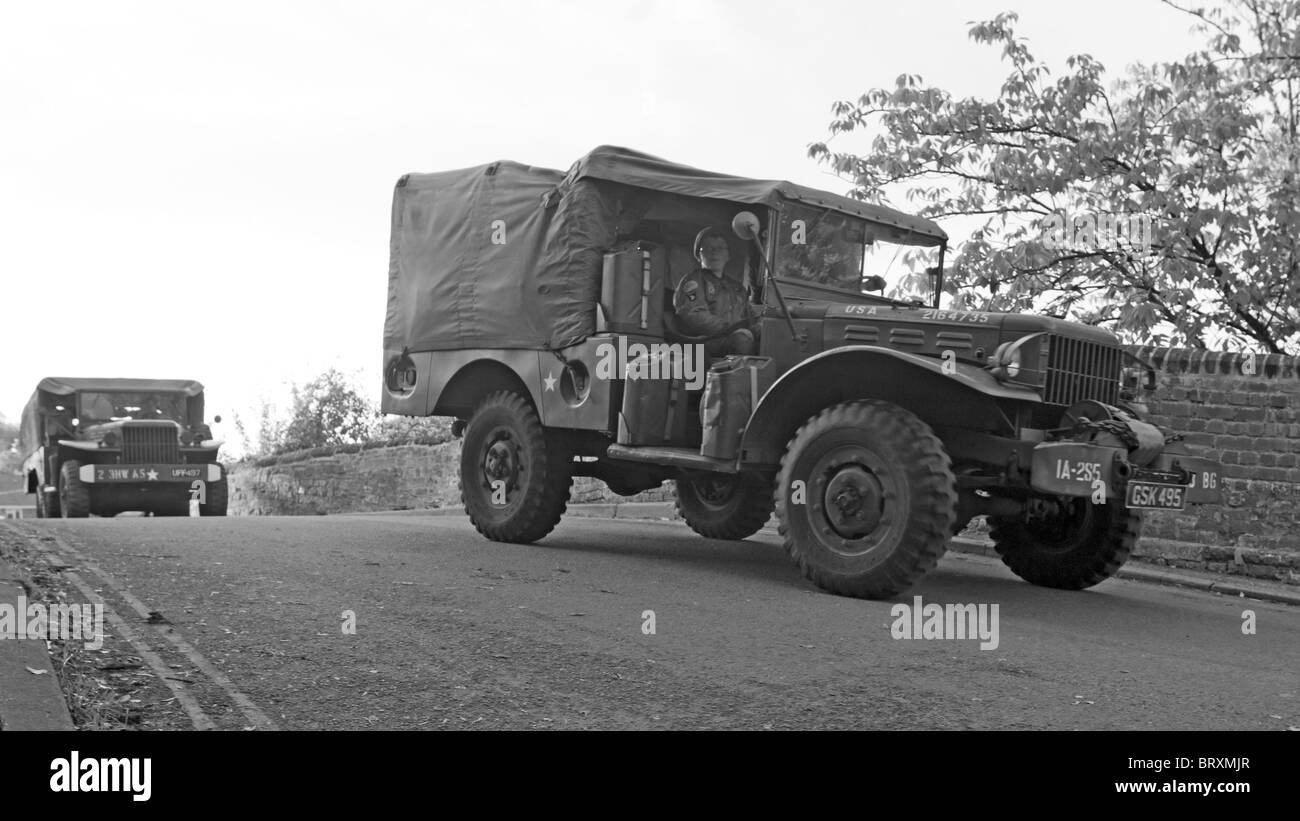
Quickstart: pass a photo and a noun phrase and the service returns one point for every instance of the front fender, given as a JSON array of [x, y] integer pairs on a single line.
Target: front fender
[[77, 444], [35, 463], [852, 372], [435, 371]]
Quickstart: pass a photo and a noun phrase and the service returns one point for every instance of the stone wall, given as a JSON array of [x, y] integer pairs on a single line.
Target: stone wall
[[1241, 411], [351, 479]]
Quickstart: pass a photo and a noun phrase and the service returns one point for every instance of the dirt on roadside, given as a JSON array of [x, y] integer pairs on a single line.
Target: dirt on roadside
[[109, 688]]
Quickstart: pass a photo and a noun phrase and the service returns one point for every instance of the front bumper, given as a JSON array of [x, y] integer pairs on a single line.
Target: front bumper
[[1086, 469], [149, 474]]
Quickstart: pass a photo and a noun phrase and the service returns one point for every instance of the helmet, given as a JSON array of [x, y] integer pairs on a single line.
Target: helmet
[[705, 233]]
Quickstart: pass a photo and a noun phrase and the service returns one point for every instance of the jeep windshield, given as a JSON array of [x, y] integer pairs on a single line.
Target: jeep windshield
[[117, 407], [830, 249]]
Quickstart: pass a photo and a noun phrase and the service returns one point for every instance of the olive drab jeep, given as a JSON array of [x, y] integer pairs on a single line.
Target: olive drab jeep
[[536, 308], [105, 446]]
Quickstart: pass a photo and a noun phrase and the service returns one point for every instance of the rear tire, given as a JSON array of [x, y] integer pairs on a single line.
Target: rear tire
[[1083, 545], [218, 495], [74, 494], [731, 507], [514, 474], [47, 504], [52, 508], [876, 499]]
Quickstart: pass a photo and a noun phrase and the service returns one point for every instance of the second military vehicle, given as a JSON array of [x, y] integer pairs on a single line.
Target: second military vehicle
[[105, 446]]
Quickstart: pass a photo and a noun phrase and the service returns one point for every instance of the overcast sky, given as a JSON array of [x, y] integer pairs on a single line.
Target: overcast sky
[[203, 190]]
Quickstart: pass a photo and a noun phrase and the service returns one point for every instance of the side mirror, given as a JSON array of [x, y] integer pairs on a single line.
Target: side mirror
[[217, 419], [873, 283], [746, 225]]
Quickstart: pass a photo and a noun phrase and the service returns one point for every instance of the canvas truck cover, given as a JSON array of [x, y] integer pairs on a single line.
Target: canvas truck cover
[[507, 255], [498, 256], [29, 432], [632, 168]]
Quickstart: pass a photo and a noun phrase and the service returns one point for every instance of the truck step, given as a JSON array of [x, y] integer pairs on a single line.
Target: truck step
[[677, 457]]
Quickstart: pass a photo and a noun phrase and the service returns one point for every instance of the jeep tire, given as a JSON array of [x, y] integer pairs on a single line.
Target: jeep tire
[[720, 506], [74, 495], [866, 499], [514, 474], [1080, 546]]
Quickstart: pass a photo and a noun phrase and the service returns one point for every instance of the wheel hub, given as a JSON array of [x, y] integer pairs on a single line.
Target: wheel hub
[[853, 501], [715, 492], [501, 462]]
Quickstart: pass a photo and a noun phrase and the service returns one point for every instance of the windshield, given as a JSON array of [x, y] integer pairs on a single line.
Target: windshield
[[115, 407], [839, 251]]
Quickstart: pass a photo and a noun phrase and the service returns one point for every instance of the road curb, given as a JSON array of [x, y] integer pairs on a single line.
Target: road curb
[[1132, 570], [27, 701], [1136, 570]]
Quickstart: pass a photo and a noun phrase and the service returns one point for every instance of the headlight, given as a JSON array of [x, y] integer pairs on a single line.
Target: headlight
[[1007, 360], [187, 438], [111, 440], [1021, 359], [1012, 363]]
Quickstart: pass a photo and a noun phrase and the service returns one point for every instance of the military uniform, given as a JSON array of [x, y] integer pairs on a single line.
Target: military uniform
[[706, 303]]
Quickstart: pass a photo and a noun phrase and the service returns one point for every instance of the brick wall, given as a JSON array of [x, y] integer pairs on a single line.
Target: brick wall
[[1241, 409]]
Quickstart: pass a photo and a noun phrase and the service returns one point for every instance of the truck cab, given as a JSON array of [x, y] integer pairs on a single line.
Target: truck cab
[[105, 446]]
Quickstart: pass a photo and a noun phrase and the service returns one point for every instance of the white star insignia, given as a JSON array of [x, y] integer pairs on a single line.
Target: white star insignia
[[153, 475], [550, 381]]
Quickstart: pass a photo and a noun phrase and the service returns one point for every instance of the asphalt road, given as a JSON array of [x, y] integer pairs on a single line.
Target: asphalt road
[[453, 631]]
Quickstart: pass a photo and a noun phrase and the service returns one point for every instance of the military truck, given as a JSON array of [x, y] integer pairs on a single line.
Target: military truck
[[105, 446], [534, 307]]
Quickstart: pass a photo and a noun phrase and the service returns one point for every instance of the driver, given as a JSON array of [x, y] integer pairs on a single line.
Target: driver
[[708, 302]]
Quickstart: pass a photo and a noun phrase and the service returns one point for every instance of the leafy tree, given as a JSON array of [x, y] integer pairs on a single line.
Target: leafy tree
[[1202, 150], [394, 429], [329, 410], [269, 435], [11, 460]]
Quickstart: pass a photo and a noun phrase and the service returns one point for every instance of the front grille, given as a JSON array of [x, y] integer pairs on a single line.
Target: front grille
[[1078, 370], [150, 444]]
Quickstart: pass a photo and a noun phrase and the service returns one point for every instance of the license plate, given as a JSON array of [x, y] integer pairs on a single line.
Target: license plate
[[1155, 496], [149, 473]]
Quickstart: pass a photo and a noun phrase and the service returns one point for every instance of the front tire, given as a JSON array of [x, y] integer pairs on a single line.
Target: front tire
[[74, 494], [866, 499], [1083, 544], [725, 507], [514, 474]]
